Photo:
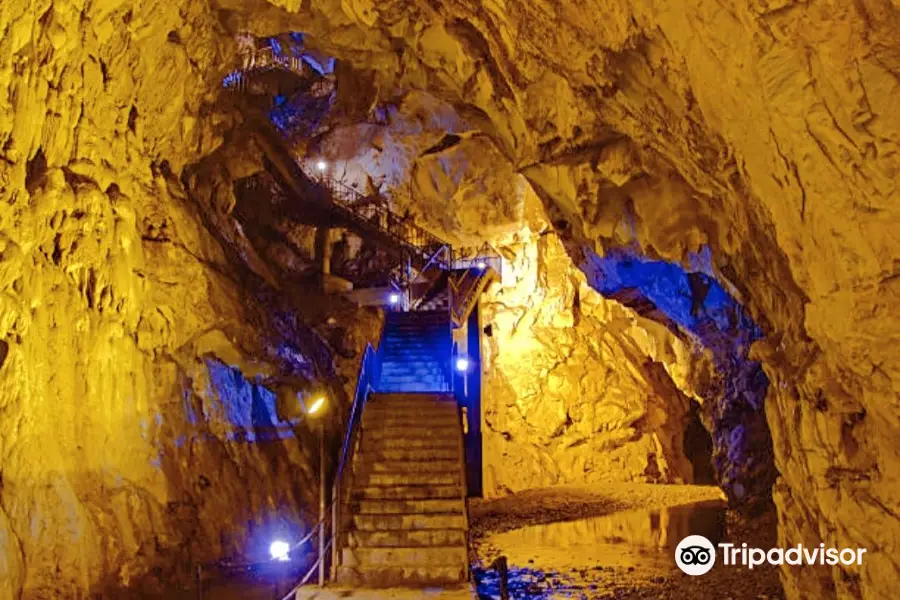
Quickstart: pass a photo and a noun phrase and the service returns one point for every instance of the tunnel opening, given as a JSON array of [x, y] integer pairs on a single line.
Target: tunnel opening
[[698, 447], [695, 305]]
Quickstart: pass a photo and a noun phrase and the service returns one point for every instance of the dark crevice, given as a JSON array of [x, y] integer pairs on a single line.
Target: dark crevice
[[448, 141], [35, 171], [132, 119]]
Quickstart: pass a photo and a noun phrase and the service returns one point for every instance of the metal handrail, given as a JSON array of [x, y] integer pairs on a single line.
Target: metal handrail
[[424, 243], [368, 376], [433, 264], [261, 59]]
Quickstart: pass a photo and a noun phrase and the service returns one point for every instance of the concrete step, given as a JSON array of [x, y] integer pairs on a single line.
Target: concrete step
[[411, 418], [413, 454], [367, 466], [399, 411], [380, 444], [408, 507], [433, 353], [407, 365], [414, 371], [411, 379], [405, 397], [397, 418], [406, 356], [424, 402], [401, 576], [412, 387], [407, 402], [372, 522], [412, 427], [426, 478], [435, 556], [405, 492], [437, 424], [417, 340], [420, 439], [406, 539]]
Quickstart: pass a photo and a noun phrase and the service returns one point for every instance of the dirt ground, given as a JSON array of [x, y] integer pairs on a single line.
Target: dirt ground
[[557, 561]]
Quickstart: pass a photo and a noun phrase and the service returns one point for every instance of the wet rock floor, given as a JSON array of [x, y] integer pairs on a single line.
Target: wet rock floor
[[615, 542]]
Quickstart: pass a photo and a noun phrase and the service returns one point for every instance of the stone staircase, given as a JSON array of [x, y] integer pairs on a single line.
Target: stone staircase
[[415, 352], [408, 519]]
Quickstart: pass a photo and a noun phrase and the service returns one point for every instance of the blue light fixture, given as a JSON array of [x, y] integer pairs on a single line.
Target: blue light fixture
[[280, 551]]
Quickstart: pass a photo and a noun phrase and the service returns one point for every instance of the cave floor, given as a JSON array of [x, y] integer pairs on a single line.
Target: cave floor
[[613, 541]]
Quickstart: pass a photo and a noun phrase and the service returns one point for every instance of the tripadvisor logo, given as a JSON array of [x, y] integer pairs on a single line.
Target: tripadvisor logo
[[696, 555]]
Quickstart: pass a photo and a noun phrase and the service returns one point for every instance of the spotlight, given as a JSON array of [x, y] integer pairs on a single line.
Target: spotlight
[[481, 264], [321, 165], [462, 364], [317, 405], [394, 298], [280, 550]]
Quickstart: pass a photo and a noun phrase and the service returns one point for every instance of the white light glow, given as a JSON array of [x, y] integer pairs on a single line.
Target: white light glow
[[317, 405], [321, 165], [394, 298], [481, 264], [280, 550], [462, 364]]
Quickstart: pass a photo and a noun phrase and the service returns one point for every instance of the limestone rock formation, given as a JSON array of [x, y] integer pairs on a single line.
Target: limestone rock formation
[[763, 131], [149, 368]]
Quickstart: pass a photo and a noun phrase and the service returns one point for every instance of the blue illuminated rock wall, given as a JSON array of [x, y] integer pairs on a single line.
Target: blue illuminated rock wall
[[696, 305], [248, 408]]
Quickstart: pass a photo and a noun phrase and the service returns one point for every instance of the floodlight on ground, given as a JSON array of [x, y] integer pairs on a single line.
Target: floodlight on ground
[[280, 550]]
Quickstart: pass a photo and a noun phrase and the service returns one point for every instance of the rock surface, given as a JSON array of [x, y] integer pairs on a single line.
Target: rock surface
[[148, 380], [762, 130]]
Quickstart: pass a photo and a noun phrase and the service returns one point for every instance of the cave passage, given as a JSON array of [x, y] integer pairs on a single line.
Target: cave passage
[[441, 300]]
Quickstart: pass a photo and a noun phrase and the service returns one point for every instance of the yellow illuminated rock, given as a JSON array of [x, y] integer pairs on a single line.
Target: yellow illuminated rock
[[765, 130]]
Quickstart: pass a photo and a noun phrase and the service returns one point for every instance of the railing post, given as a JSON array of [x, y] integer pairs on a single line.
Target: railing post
[[335, 501], [321, 504]]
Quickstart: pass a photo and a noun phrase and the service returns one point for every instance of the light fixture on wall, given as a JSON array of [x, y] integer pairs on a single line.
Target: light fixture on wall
[[481, 265], [316, 405], [394, 298], [462, 364]]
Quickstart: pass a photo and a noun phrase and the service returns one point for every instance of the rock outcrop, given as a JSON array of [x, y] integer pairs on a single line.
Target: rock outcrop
[[150, 371], [761, 130]]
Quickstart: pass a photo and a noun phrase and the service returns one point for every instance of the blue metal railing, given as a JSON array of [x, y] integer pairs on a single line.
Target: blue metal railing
[[369, 373]]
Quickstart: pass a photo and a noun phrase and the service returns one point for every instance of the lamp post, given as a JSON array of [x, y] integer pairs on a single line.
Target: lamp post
[[315, 410], [462, 365]]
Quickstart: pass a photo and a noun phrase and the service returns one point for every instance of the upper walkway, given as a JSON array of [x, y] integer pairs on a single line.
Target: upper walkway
[[430, 265]]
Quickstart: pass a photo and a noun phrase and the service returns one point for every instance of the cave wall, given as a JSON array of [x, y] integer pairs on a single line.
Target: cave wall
[[144, 346], [577, 388], [761, 129]]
